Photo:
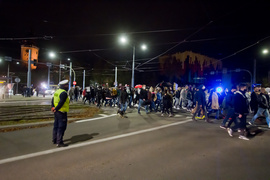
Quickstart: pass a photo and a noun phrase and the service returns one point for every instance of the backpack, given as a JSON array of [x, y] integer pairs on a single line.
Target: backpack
[[114, 92]]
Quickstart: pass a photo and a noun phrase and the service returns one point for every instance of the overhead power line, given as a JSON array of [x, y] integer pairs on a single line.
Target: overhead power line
[[243, 49], [27, 38], [181, 42]]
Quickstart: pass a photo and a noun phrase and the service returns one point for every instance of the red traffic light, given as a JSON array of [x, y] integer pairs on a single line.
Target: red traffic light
[[74, 83]]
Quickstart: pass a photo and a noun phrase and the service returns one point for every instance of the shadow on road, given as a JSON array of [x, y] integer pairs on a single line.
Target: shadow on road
[[80, 138], [256, 131]]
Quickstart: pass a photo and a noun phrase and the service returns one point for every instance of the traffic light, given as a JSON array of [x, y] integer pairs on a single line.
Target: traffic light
[[35, 62]]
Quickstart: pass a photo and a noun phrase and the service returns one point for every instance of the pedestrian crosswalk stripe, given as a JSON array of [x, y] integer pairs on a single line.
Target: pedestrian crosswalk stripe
[[93, 119]]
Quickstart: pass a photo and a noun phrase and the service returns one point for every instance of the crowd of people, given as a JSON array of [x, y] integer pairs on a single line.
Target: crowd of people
[[231, 105]]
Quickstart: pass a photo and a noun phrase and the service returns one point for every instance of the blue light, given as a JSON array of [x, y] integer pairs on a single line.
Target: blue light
[[219, 89]]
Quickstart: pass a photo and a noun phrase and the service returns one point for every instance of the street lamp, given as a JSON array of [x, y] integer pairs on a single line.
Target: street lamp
[[124, 40], [52, 55], [265, 51]]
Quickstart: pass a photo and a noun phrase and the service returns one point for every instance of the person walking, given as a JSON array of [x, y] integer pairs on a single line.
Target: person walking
[[189, 99], [37, 90], [177, 98], [142, 93], [263, 106], [254, 98], [229, 106], [71, 94], [201, 104], [99, 96], [76, 93], [151, 97], [241, 106], [60, 108], [183, 97], [167, 103], [123, 101], [214, 105], [158, 100]]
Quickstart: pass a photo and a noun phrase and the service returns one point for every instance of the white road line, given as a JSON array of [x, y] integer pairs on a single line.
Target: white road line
[[17, 158], [103, 115], [93, 119]]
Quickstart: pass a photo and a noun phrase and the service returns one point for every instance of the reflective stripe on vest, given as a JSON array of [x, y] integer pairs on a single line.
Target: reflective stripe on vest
[[56, 99]]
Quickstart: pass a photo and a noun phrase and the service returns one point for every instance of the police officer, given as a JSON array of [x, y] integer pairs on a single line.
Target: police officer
[[60, 107]]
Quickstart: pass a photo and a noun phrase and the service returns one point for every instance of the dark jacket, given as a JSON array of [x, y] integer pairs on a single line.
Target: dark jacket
[[263, 101], [201, 97], [196, 96], [123, 96], [108, 94], [229, 100], [177, 94], [254, 101], [167, 100], [143, 94], [241, 105], [189, 95]]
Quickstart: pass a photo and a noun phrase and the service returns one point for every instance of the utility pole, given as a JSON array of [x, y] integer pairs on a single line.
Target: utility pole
[[70, 74], [49, 72], [115, 80], [83, 79], [29, 71], [8, 74], [60, 71], [133, 67]]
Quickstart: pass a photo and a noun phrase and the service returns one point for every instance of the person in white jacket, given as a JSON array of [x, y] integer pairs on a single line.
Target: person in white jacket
[[215, 105]]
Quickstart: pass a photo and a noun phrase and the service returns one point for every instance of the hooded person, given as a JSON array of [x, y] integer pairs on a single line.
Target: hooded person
[[60, 108], [201, 99]]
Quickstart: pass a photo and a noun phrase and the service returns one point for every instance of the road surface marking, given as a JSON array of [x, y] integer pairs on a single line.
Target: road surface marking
[[103, 115], [93, 119], [50, 151]]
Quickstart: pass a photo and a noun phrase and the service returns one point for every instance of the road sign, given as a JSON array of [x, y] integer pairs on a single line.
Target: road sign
[[7, 58], [49, 64], [74, 83], [62, 66], [17, 80]]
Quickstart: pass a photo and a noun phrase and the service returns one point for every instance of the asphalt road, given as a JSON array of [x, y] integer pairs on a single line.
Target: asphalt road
[[137, 147]]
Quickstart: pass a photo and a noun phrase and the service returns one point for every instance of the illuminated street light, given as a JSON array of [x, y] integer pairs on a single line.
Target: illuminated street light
[[144, 47], [17, 62], [265, 51], [52, 55], [68, 59], [123, 40]]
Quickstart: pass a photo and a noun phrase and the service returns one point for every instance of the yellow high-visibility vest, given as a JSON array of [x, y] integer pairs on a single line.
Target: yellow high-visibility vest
[[56, 99]]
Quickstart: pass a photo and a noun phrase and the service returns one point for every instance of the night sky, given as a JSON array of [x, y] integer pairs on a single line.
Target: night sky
[[216, 29]]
